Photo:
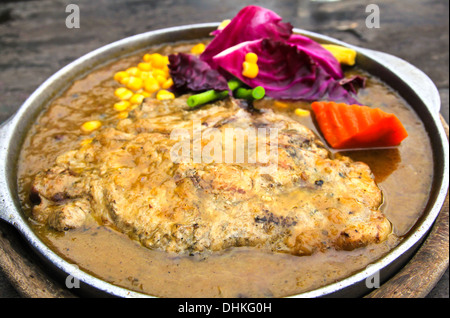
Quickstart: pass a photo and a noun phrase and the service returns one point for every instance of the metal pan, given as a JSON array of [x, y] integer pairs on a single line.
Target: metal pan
[[411, 83]]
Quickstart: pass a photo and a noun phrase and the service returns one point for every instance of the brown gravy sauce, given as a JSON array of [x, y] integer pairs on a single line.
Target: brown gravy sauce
[[404, 173]]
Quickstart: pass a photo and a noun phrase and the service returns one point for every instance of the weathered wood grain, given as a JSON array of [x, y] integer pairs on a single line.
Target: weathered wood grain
[[24, 270]]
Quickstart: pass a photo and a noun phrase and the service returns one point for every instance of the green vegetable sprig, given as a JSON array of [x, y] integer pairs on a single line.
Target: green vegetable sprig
[[247, 93], [235, 86]]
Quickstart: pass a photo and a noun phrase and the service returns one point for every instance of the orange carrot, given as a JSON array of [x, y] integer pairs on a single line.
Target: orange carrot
[[354, 126]]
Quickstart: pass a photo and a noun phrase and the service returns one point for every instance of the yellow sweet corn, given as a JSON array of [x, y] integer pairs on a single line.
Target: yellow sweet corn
[[120, 75], [145, 67], [224, 24], [251, 58], [148, 58], [151, 85], [168, 83], [144, 93], [250, 70], [133, 71], [343, 54], [144, 79], [145, 74], [160, 79], [302, 112], [157, 60], [123, 93], [119, 91], [137, 99], [122, 105], [91, 125], [158, 72], [164, 94], [125, 80], [166, 68], [135, 83], [198, 49]]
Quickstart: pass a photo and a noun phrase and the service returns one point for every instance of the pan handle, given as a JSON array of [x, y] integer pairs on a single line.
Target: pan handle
[[5, 195]]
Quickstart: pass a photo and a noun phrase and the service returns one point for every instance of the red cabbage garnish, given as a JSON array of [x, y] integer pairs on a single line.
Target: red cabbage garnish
[[353, 83], [254, 23], [189, 73], [251, 23], [285, 71], [291, 66], [320, 55]]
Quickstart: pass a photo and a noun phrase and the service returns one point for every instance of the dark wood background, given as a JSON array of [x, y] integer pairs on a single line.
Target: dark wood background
[[35, 42]]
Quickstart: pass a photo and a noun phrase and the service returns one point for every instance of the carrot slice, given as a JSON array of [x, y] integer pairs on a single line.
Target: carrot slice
[[354, 126]]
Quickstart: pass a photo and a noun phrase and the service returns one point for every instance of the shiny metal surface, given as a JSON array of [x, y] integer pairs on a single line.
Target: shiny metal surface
[[411, 83]]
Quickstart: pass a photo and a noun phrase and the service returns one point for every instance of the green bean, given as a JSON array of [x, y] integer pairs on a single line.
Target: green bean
[[244, 93], [212, 95]]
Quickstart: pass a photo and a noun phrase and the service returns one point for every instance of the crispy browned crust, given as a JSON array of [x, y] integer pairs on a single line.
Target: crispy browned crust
[[125, 177]]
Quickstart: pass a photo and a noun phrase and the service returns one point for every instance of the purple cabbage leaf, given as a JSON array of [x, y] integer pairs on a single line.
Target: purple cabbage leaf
[[189, 73], [318, 53], [251, 23], [285, 71]]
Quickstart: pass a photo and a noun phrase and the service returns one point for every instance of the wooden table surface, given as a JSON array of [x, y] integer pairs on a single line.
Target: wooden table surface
[[35, 42]]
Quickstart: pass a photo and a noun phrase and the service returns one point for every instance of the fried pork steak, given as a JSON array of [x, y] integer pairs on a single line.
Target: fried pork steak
[[126, 178]]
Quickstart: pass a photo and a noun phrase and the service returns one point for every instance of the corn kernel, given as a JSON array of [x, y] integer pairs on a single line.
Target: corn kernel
[[133, 71], [166, 69], [123, 93], [224, 24], [164, 94], [122, 105], [250, 70], [158, 72], [251, 57], [119, 91], [145, 66], [122, 115], [137, 99], [147, 58], [343, 54], [160, 79], [135, 83], [125, 80], [168, 83], [302, 112], [151, 57], [198, 49], [145, 93], [145, 74], [120, 75], [91, 125], [158, 60], [151, 85]]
